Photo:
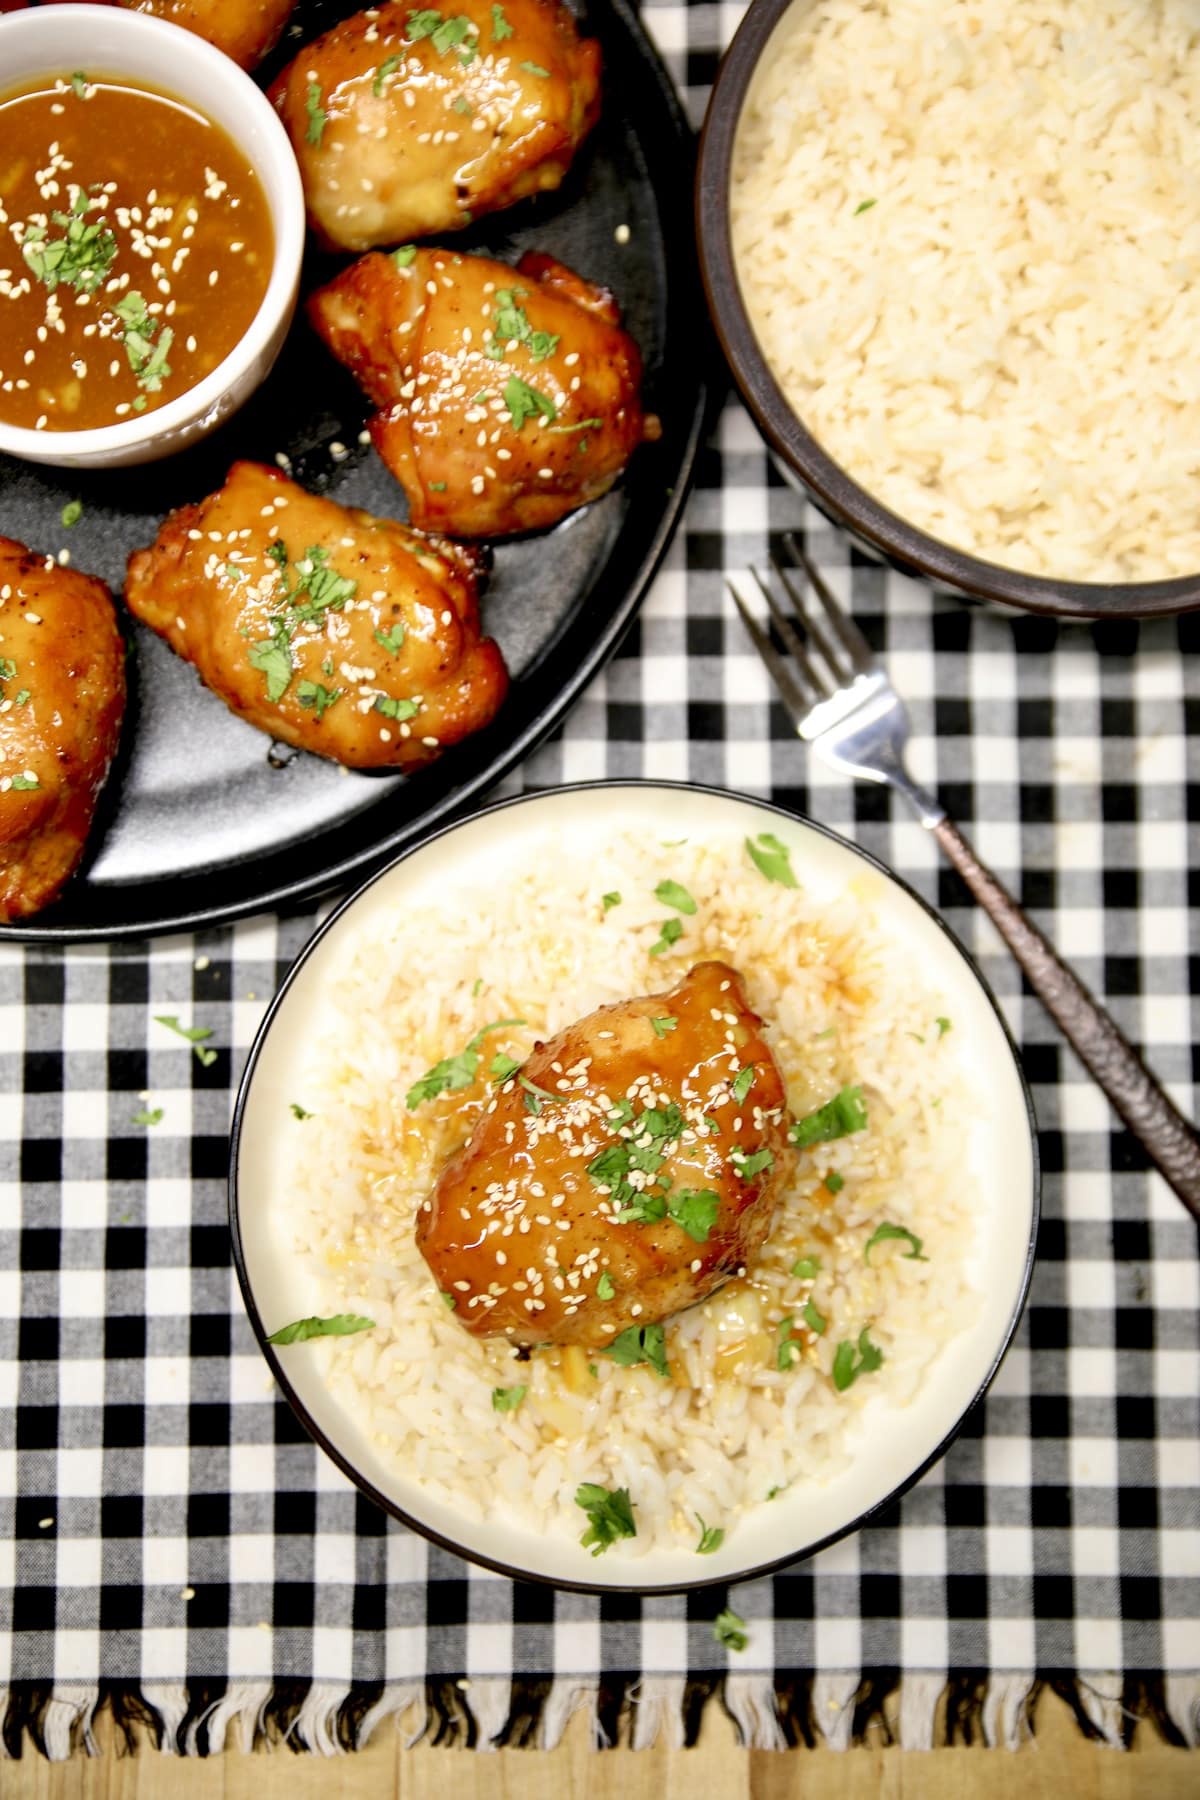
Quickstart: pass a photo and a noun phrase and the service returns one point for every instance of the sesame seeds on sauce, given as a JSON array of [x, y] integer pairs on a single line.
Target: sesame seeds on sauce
[[135, 249]]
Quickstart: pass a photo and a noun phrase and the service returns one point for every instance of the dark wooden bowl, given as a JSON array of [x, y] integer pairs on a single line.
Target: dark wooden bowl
[[830, 486]]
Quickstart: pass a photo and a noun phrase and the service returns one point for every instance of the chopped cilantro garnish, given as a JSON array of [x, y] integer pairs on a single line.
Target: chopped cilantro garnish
[[463, 105], [943, 1026], [510, 324], [816, 1321], [711, 1537], [534, 1095], [747, 1166], [501, 28], [272, 657], [72, 512], [314, 694], [621, 1113], [338, 1325], [277, 551], [672, 894], [610, 1515], [742, 1082], [882, 1234], [839, 1117], [643, 1208], [317, 116], [661, 1027], [444, 34], [148, 1116], [502, 1066], [524, 402], [532, 68], [81, 259], [396, 709], [729, 1630], [834, 1183], [387, 67], [771, 858], [235, 574], [406, 254], [140, 330], [448, 1301], [806, 1268], [864, 206], [79, 82], [195, 1035], [298, 1112], [695, 1211], [849, 1364], [24, 783], [8, 668], [508, 1399], [391, 640], [454, 1072], [608, 901], [477, 987], [786, 1351], [641, 1344], [21, 696], [604, 1287], [670, 933]]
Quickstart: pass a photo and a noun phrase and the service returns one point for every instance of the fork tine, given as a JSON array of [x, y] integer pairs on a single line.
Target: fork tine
[[791, 637], [795, 699], [835, 662], [852, 639]]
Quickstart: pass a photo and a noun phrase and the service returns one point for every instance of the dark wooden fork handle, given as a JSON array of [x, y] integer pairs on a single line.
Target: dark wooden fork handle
[[1169, 1140]]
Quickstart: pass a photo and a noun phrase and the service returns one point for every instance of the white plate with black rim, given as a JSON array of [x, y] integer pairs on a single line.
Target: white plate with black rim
[[890, 1446]]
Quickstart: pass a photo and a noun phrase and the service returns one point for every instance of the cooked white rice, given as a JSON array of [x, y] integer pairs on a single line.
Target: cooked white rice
[[968, 236], [728, 1428]]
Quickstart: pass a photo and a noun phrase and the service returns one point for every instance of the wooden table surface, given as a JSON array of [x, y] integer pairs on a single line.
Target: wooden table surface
[[1058, 1765]]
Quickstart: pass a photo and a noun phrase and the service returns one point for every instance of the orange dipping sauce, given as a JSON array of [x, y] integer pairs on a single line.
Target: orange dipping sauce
[[135, 249]]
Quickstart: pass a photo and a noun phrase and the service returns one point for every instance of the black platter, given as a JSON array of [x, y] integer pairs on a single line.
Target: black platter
[[204, 820]]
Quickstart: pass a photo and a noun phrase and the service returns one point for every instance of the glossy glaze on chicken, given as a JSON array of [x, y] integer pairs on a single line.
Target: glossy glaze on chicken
[[508, 397], [626, 1171], [244, 29], [62, 696], [408, 121], [330, 629]]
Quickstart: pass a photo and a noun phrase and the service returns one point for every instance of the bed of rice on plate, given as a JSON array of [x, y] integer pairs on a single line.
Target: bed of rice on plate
[[967, 234], [728, 1428]]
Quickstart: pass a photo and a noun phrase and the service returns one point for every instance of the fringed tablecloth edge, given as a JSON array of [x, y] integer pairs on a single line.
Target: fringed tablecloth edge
[[918, 1711]]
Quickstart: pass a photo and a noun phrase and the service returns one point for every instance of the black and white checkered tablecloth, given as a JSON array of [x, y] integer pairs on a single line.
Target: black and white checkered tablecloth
[[170, 1539]]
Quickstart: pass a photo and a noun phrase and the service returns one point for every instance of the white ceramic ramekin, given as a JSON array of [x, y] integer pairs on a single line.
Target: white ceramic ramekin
[[104, 40]]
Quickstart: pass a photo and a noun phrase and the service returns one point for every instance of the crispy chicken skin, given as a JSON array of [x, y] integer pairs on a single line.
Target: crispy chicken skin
[[62, 696], [406, 123], [508, 397], [244, 29], [323, 626], [521, 1231]]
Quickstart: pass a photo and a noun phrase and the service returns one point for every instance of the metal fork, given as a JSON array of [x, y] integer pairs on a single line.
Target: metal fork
[[842, 703]]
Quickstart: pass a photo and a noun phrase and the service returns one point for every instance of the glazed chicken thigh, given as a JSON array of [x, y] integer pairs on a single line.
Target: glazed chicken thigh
[[620, 1175], [244, 29], [330, 629], [62, 696], [508, 397], [408, 122]]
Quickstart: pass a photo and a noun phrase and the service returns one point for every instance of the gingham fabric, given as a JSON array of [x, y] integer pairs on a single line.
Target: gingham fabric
[[171, 1541]]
